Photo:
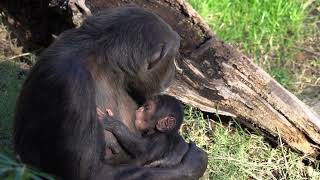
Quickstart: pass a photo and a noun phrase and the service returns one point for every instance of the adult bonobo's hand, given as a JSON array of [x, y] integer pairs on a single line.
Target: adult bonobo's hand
[[194, 162], [102, 114]]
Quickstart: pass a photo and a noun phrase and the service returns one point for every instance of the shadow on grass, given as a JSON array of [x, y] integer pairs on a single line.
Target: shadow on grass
[[11, 79]]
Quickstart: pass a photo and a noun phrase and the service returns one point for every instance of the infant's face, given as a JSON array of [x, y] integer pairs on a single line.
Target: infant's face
[[144, 115]]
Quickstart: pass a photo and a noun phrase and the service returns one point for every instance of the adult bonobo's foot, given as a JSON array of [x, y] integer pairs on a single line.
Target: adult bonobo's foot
[[195, 162]]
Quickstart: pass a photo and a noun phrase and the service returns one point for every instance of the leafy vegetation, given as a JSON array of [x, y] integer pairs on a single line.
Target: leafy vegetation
[[10, 168]]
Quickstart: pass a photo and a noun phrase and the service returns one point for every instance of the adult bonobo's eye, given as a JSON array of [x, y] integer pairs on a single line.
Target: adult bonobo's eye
[[160, 52], [146, 107]]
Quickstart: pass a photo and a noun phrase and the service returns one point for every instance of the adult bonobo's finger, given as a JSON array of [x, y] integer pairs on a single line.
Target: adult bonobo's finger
[[195, 161], [100, 114], [109, 112]]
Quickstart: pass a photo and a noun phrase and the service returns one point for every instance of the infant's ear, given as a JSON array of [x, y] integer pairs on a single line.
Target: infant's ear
[[166, 124]]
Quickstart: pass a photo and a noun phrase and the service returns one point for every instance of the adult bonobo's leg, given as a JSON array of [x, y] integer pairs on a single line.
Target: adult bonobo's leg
[[114, 54], [191, 167]]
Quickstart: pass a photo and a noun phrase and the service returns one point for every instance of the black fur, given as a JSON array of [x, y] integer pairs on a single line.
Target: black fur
[[148, 148], [56, 127]]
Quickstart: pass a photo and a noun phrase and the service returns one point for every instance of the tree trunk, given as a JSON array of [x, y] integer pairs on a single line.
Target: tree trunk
[[215, 77]]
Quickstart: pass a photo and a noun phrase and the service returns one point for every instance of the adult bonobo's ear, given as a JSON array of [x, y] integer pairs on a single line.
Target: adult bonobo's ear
[[161, 51], [166, 124]]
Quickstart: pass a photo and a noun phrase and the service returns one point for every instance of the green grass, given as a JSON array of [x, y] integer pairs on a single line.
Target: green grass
[[283, 76], [316, 63], [236, 154], [266, 30], [259, 26]]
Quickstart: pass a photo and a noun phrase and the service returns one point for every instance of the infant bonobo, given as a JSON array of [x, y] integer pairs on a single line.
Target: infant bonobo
[[158, 121]]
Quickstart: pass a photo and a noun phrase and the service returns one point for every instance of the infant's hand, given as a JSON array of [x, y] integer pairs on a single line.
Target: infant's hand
[[113, 125], [109, 123]]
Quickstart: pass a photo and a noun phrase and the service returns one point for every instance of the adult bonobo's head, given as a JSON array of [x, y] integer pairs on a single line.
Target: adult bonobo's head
[[138, 45]]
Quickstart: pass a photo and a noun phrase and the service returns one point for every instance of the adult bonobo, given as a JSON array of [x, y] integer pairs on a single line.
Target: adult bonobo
[[116, 57]]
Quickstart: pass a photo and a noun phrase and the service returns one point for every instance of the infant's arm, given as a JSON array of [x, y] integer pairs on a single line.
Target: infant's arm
[[132, 143]]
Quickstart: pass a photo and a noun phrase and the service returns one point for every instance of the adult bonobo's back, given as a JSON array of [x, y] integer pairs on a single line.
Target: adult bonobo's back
[[115, 56]]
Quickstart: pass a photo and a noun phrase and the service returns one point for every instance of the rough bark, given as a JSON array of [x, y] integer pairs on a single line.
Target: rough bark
[[215, 77]]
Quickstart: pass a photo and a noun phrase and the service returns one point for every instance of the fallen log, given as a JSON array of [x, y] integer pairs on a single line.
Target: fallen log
[[215, 77]]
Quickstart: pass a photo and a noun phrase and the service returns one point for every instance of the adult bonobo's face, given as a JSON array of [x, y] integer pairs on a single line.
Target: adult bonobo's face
[[138, 45], [158, 68], [158, 71]]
